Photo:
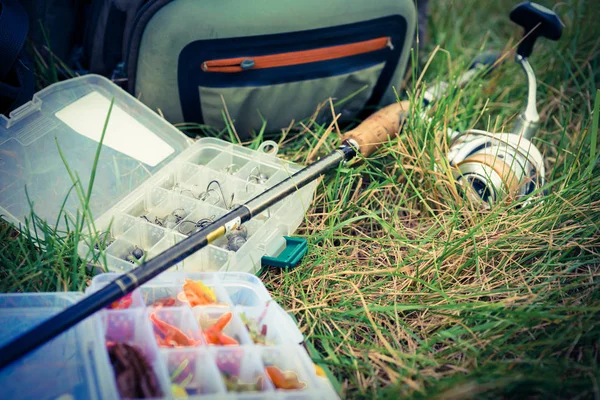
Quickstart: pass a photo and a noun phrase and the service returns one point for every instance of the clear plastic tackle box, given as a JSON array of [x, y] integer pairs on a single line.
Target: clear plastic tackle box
[[77, 364], [152, 185]]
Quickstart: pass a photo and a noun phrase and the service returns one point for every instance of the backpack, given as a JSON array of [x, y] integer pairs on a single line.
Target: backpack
[[16, 76], [206, 62]]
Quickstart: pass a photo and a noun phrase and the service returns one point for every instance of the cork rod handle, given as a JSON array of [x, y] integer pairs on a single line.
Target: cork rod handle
[[378, 128]]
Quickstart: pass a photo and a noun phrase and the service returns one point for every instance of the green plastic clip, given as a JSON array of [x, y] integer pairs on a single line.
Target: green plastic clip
[[295, 249]]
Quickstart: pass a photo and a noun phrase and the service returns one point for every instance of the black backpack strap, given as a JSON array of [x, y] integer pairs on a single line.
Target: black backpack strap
[[16, 75]]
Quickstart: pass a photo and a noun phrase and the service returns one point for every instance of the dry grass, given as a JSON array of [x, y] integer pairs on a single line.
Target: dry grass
[[409, 290]]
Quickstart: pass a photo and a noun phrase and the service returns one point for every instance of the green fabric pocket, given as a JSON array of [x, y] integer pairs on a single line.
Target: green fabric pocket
[[247, 104]]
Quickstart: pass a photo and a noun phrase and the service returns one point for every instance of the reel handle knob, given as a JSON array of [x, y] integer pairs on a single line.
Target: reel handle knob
[[538, 21]]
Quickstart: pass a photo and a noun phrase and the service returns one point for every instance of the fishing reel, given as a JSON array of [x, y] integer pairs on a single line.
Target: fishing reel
[[493, 167]]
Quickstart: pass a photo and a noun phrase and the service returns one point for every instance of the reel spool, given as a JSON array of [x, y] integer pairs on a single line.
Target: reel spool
[[496, 166]]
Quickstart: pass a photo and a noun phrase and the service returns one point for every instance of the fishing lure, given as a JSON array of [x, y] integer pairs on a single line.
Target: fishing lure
[[286, 380], [258, 333], [164, 302], [236, 238], [234, 243], [258, 178], [121, 304], [180, 387], [179, 391], [214, 335], [103, 240], [200, 224], [134, 375], [231, 169], [235, 384], [169, 221], [135, 256], [197, 294], [209, 195], [137, 253], [171, 336]]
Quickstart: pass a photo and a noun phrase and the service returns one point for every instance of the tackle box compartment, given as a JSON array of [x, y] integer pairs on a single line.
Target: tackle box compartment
[[152, 185], [77, 365]]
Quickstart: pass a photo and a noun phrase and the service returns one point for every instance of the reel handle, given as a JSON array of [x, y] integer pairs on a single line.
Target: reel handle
[[378, 128], [538, 21]]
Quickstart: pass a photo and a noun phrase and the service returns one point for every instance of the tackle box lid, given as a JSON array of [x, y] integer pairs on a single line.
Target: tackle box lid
[[48, 149], [52, 141]]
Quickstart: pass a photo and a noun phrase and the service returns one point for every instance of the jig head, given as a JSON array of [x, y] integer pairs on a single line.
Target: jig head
[[258, 178], [135, 255], [103, 240]]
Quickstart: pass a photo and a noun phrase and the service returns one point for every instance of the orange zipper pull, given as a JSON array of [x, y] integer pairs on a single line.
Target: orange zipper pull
[[229, 65], [240, 64]]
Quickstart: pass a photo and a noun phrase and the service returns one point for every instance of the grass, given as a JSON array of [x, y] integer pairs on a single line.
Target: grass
[[407, 290]]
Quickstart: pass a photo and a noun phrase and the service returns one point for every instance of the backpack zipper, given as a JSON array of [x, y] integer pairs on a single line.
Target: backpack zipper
[[240, 64]]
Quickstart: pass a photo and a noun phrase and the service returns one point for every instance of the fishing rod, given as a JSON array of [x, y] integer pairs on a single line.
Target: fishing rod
[[377, 129]]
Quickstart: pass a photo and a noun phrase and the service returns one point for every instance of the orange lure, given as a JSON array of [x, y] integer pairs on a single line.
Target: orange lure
[[215, 335], [287, 380], [173, 337], [197, 294]]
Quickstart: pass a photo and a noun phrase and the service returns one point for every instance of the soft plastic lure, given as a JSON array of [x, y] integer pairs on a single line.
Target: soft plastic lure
[[286, 380], [121, 304], [178, 391], [214, 334], [197, 294], [133, 373], [164, 302], [171, 336], [235, 384], [258, 335], [180, 388]]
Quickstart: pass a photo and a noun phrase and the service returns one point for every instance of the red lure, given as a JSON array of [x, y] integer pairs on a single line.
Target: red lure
[[164, 302], [121, 304]]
